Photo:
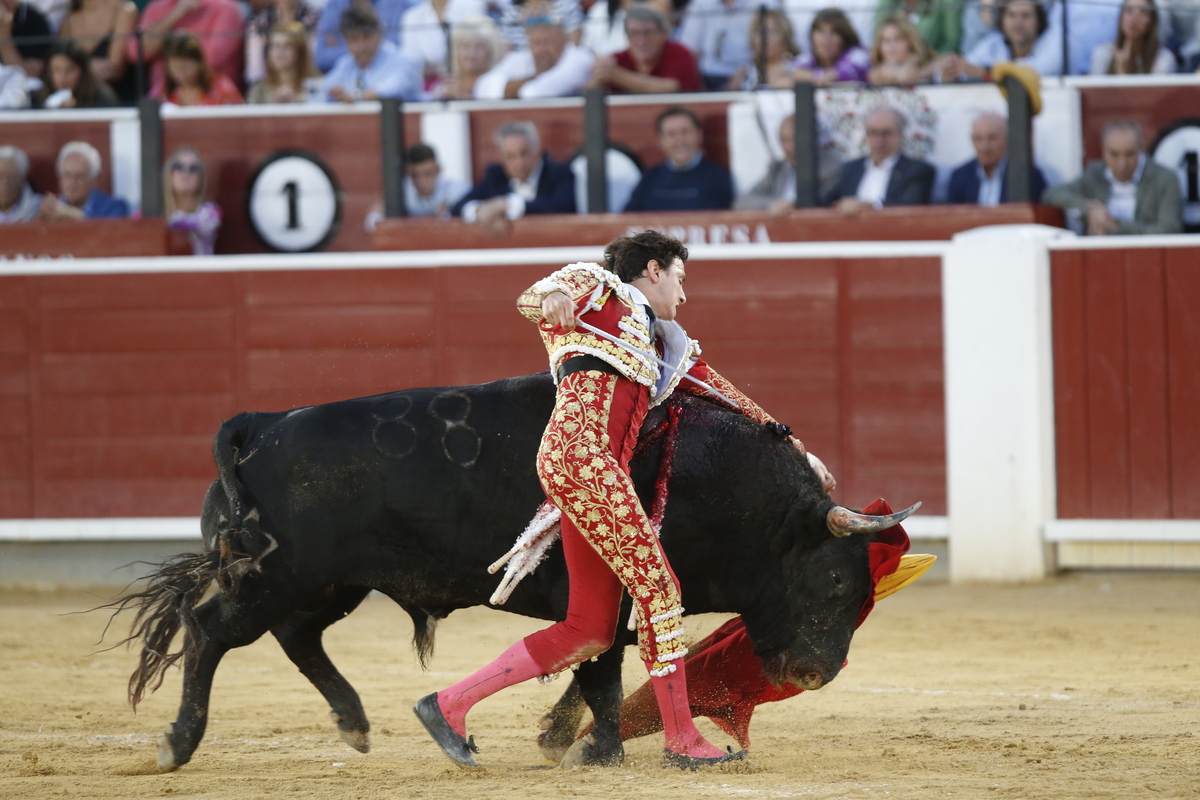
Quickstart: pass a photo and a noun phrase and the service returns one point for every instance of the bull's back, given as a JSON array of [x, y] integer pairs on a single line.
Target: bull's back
[[441, 472]]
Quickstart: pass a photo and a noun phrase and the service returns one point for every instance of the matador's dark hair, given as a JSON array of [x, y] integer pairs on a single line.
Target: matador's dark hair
[[628, 255]]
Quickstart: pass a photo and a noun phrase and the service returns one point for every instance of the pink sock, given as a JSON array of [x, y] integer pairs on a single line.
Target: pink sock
[[681, 733], [514, 666]]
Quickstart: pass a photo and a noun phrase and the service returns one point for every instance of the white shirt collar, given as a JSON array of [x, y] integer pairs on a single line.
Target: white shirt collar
[[1137, 173]]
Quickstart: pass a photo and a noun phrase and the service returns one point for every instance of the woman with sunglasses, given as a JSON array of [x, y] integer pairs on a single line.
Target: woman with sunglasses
[[184, 183]]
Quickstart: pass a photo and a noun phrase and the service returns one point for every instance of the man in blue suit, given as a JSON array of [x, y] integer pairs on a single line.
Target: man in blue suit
[[526, 181], [885, 177], [983, 179]]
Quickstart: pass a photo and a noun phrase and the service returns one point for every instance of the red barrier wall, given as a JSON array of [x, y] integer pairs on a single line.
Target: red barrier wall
[[111, 386], [1127, 382]]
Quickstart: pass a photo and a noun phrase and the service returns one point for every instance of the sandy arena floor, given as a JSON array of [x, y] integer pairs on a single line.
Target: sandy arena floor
[[1082, 686]]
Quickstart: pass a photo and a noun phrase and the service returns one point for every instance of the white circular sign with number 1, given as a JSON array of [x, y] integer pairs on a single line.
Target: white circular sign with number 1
[[294, 203]]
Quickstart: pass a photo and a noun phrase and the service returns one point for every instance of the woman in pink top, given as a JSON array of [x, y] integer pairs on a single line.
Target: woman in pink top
[[190, 82]]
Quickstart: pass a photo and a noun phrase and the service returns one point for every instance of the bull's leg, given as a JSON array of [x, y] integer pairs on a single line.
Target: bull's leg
[[224, 626], [561, 723], [300, 637], [600, 687]]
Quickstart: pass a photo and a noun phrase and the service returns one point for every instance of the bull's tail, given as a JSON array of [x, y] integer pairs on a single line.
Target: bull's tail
[[166, 604], [239, 539]]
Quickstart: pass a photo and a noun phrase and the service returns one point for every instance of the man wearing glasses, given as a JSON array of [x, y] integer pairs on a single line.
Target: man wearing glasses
[[885, 176], [652, 64]]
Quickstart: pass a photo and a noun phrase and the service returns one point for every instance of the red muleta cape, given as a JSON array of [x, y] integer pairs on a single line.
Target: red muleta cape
[[725, 678]]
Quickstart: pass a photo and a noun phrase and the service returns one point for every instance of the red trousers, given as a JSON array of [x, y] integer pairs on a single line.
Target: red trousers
[[608, 542]]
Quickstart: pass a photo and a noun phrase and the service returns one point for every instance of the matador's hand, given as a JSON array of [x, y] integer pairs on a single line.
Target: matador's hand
[[558, 310]]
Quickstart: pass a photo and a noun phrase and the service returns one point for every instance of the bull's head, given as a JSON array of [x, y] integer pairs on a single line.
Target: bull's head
[[823, 554]]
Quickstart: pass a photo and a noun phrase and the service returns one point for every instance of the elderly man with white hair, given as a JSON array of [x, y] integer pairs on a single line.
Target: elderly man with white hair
[[77, 166], [885, 176], [983, 179], [18, 203], [552, 66]]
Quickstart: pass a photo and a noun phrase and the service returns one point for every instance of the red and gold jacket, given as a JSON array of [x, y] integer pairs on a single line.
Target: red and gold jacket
[[606, 302]]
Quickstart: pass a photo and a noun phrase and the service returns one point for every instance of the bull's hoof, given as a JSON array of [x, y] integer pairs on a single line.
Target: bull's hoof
[[555, 740], [360, 740], [585, 753], [166, 753]]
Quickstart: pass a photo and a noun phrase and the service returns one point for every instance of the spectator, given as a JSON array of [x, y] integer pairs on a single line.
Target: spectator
[[524, 182], [374, 67], [899, 56], [261, 24], [1126, 193], [289, 66], [652, 64], [885, 177], [216, 24], [69, 82], [423, 35], [861, 14], [836, 54], [330, 44], [55, 11], [514, 13], [25, 37], [14, 88], [978, 20], [773, 26], [604, 29], [184, 182], [475, 45], [982, 180], [718, 33], [190, 81], [1137, 50], [1090, 23], [427, 192], [1022, 37], [77, 166], [18, 202], [552, 66], [102, 28], [939, 21], [686, 180], [776, 192]]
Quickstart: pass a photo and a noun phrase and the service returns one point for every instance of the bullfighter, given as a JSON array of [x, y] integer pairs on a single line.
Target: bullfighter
[[603, 328]]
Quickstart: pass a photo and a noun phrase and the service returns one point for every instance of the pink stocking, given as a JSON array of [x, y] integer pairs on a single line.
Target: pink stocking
[[514, 666], [681, 733]]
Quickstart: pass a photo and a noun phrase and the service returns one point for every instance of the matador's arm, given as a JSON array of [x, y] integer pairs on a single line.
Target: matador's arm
[[580, 282]]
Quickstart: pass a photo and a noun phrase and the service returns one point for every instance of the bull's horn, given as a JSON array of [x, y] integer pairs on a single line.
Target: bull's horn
[[843, 521], [912, 566]]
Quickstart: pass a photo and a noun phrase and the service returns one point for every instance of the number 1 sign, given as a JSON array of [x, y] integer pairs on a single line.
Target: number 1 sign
[[294, 203]]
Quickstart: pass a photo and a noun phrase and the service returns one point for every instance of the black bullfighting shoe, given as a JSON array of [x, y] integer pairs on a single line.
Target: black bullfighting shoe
[[673, 759], [459, 749]]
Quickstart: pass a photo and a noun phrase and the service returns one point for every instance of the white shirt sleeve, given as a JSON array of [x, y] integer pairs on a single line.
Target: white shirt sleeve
[[564, 79], [513, 67]]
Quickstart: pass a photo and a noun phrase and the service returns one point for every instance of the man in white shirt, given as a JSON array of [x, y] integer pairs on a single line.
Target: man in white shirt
[[1125, 193], [885, 177], [553, 66], [526, 181]]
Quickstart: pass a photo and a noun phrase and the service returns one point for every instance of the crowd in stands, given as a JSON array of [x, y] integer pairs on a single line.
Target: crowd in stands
[[97, 53], [92, 53]]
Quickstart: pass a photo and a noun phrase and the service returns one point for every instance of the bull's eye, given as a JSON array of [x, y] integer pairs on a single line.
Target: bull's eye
[[838, 580]]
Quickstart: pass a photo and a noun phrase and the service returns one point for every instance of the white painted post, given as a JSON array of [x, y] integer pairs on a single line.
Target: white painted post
[[999, 401]]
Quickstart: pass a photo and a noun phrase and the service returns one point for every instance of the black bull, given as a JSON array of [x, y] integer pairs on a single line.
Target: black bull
[[415, 493]]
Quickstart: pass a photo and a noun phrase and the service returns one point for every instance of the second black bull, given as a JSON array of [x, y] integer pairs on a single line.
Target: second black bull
[[416, 492]]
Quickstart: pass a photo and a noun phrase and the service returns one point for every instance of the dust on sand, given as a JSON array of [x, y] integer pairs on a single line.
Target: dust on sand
[[1086, 685]]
